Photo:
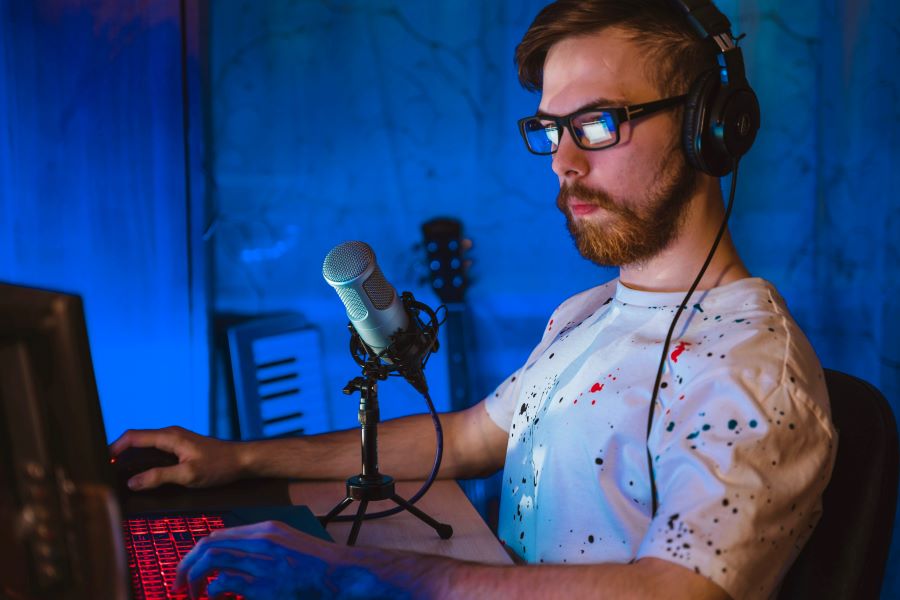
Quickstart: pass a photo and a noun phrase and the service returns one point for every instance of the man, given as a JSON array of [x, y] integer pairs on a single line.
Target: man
[[741, 444]]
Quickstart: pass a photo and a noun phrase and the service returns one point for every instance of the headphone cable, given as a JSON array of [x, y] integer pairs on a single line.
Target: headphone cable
[[681, 307]]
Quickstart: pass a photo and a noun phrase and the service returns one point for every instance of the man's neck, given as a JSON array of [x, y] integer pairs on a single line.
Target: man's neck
[[676, 267]]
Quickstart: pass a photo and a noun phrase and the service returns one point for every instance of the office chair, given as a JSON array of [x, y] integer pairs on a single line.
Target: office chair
[[846, 555], [276, 366]]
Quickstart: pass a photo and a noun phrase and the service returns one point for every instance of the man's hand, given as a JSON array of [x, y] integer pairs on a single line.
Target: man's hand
[[202, 461], [273, 561]]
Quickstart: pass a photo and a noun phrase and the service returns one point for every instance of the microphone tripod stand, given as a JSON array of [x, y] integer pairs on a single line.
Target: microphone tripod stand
[[371, 485]]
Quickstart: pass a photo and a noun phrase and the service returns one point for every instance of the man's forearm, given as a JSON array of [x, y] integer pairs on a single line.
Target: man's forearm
[[618, 581], [438, 577], [405, 450]]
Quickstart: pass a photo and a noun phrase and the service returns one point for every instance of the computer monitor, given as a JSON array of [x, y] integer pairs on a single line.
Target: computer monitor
[[56, 496]]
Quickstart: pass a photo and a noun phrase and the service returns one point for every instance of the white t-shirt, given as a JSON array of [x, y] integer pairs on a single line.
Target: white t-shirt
[[742, 442]]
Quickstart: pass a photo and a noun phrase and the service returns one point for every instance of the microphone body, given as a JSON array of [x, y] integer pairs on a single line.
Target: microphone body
[[372, 304], [376, 312]]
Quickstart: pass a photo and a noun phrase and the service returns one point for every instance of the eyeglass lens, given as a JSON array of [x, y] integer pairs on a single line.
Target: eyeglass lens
[[596, 129]]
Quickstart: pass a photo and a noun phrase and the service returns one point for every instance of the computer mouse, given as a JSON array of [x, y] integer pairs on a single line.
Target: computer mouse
[[132, 461]]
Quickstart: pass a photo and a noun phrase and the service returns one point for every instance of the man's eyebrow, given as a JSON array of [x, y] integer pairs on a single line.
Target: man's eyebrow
[[600, 102]]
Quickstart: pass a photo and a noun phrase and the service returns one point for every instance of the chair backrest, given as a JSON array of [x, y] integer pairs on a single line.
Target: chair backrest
[[279, 387], [846, 555]]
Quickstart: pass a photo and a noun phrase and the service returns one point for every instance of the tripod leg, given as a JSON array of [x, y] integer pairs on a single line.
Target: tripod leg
[[443, 530], [357, 522], [335, 511]]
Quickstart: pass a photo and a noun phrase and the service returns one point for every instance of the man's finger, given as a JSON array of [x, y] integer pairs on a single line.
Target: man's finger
[[164, 439], [248, 547], [218, 558], [232, 582], [158, 476]]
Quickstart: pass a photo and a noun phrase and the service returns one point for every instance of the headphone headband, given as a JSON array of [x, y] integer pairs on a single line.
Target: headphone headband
[[708, 20]]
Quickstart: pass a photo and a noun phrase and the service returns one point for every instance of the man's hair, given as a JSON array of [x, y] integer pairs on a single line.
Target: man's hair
[[674, 54]]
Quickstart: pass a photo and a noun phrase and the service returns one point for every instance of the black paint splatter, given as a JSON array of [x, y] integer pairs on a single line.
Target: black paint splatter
[[672, 519]]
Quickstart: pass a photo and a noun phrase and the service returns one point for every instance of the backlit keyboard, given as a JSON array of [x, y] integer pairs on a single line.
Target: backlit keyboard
[[155, 546]]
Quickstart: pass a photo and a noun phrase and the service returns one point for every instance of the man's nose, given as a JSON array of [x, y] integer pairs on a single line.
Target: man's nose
[[569, 162]]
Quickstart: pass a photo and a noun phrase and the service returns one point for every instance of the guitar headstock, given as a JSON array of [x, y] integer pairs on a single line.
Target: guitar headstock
[[444, 248]]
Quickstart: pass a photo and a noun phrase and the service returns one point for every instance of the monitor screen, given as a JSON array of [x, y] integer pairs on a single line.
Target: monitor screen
[[55, 479]]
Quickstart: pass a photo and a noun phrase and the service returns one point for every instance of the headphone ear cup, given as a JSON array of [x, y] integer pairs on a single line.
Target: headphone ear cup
[[697, 111]]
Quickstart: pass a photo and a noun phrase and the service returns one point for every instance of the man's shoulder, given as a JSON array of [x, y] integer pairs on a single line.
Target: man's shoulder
[[751, 319], [748, 336], [587, 301]]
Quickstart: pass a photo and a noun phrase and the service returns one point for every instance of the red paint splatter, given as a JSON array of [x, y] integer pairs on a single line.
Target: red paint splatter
[[575, 401], [681, 397], [593, 402], [682, 346], [550, 325], [597, 387]]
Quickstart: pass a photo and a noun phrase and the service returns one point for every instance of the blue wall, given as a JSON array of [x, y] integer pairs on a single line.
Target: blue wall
[[356, 119], [94, 196]]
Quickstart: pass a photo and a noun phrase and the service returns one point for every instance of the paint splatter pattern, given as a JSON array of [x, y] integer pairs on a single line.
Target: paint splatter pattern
[[725, 441]]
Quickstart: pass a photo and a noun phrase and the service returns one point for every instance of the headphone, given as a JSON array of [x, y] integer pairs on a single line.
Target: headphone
[[721, 113]]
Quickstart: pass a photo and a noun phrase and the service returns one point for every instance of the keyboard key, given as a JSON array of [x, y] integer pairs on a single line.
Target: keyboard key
[[156, 546]]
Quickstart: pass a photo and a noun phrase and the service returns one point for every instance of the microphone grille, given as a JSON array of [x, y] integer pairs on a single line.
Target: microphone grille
[[379, 291], [354, 304], [347, 261]]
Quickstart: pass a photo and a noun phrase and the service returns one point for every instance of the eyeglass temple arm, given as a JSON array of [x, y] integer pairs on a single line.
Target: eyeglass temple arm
[[640, 110]]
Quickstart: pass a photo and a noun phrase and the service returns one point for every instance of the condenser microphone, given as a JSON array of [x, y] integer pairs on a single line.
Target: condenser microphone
[[373, 306], [379, 317]]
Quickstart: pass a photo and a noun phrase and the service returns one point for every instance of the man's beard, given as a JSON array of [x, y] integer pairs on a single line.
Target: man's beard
[[632, 236]]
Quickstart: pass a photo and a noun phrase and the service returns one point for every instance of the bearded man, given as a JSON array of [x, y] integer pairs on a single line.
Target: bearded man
[[718, 498]]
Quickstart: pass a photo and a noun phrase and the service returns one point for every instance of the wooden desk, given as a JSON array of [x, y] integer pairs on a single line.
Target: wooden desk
[[472, 539], [445, 501]]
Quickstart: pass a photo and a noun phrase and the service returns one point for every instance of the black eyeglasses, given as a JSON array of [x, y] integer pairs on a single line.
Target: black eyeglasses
[[593, 128]]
